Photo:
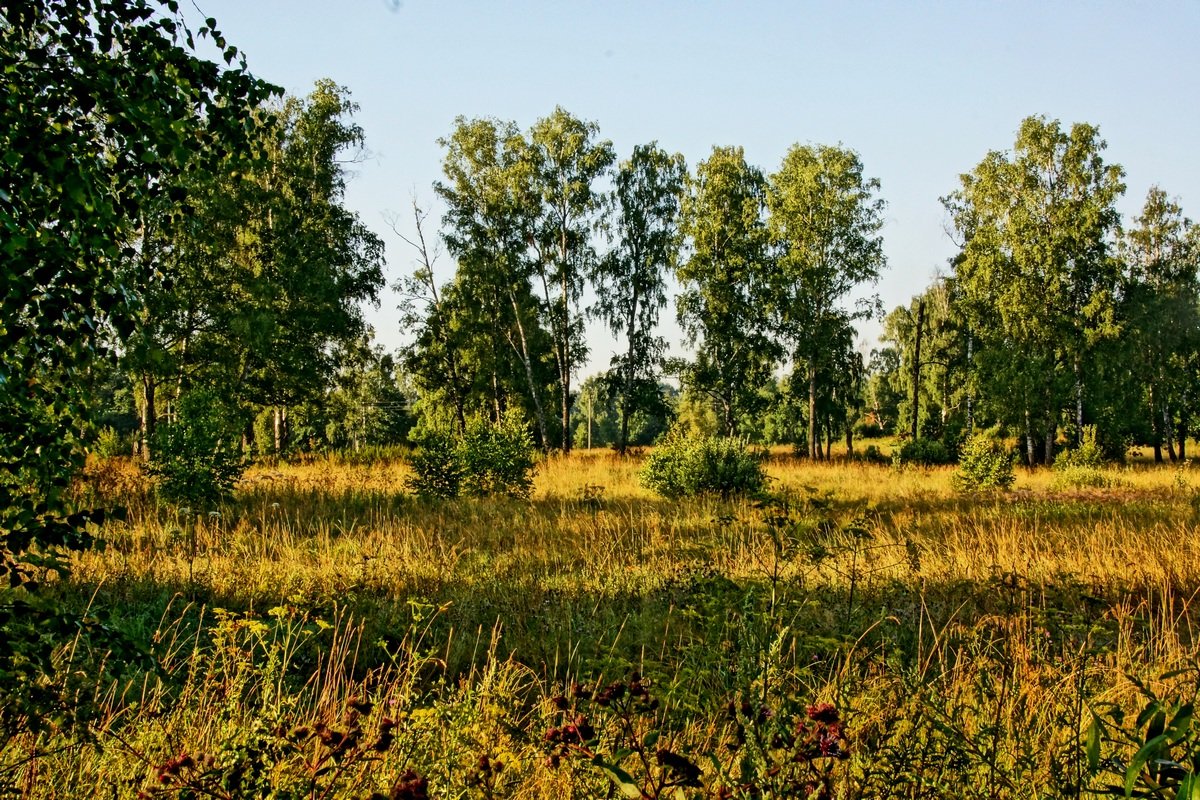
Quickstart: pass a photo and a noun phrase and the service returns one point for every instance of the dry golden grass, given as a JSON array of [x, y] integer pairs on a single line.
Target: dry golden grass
[[942, 624]]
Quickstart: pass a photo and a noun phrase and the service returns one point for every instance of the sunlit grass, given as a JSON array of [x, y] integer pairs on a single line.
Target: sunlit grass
[[912, 606]]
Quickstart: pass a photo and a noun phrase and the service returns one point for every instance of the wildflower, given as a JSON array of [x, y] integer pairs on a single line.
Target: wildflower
[[410, 786], [173, 766], [823, 713], [610, 694]]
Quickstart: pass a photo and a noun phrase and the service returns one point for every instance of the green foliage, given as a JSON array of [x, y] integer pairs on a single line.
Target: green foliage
[[436, 462], [600, 399], [984, 464], [497, 458], [722, 304], [1162, 307], [490, 208], [196, 459], [1088, 455], [683, 465], [926, 452], [1083, 466], [1036, 283], [106, 113], [273, 261], [630, 279], [564, 157], [264, 432], [825, 219], [1154, 754], [486, 459], [1083, 478], [110, 444]]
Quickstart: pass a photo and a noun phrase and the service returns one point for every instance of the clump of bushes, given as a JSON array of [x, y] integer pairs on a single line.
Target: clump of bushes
[[485, 459], [1083, 466], [683, 465], [1088, 455], [926, 452], [872, 455], [196, 459], [984, 464]]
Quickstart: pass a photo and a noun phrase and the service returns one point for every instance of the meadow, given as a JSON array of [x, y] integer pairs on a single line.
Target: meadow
[[865, 631]]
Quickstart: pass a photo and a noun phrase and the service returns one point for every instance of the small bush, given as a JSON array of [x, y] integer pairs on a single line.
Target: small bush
[[926, 452], [1083, 467], [436, 464], [1088, 455], [484, 460], [683, 465], [869, 430], [984, 464], [498, 458], [110, 443], [196, 459], [1082, 478]]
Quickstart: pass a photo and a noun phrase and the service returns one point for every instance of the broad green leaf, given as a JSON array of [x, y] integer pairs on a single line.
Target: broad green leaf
[[620, 778], [1148, 751], [1093, 743]]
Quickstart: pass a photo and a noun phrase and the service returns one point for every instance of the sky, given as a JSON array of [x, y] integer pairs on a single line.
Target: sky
[[921, 90]]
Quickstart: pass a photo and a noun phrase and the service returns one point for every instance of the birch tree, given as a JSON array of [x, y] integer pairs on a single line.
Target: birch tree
[[1162, 297], [642, 226], [725, 281], [491, 212], [825, 218], [565, 158], [1036, 272]]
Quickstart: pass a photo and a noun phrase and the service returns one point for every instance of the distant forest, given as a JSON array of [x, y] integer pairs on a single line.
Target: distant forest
[[1054, 315]]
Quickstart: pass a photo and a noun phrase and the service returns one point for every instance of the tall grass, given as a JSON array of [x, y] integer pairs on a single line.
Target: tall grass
[[965, 640]]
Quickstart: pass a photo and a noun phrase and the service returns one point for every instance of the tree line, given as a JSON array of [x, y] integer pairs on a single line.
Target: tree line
[[537, 220], [1055, 315], [254, 294]]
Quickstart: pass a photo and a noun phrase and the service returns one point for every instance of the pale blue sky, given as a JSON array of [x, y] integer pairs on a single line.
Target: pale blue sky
[[921, 90]]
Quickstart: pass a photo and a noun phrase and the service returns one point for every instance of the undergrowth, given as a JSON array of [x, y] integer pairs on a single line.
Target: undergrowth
[[860, 633]]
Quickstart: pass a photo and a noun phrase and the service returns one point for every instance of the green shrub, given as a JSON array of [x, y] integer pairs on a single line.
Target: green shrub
[[498, 458], [984, 464], [110, 443], [872, 455], [436, 464], [196, 459], [1083, 466], [926, 452], [488, 458], [1082, 478], [1088, 455], [683, 465]]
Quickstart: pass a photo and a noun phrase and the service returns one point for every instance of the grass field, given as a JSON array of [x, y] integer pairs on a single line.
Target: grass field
[[329, 635]]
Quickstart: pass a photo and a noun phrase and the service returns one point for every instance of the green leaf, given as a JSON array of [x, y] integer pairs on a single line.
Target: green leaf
[[1149, 750], [1093, 744], [620, 778], [1181, 723], [1189, 788], [650, 739]]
